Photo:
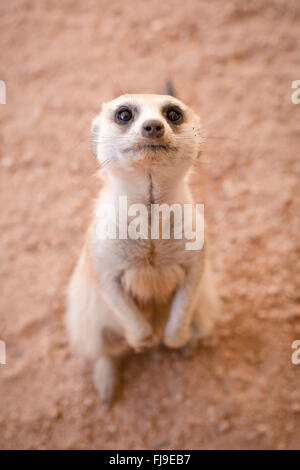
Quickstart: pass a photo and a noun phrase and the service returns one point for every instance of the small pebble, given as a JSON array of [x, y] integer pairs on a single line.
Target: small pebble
[[158, 443], [223, 426], [7, 162]]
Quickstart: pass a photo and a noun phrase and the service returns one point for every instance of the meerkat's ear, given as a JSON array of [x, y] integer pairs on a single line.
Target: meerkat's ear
[[95, 134]]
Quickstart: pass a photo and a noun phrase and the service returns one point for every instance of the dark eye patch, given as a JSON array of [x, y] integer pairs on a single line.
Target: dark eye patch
[[123, 115], [173, 114]]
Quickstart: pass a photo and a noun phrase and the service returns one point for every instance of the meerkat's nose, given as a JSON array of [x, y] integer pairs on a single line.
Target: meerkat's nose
[[153, 128]]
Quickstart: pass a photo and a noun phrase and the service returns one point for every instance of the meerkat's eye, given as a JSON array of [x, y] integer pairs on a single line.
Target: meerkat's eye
[[123, 115], [174, 115]]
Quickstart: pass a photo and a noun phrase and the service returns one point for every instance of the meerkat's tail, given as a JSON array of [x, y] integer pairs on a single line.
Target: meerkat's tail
[[170, 88], [106, 378]]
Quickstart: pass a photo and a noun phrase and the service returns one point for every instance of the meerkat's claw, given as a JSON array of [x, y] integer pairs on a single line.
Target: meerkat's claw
[[106, 379], [175, 342], [176, 337], [143, 345]]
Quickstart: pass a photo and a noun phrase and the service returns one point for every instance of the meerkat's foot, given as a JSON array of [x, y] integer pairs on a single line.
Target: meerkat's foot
[[198, 331], [208, 309], [106, 378], [204, 323]]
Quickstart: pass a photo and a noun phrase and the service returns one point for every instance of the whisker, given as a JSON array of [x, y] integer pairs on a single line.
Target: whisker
[[220, 137], [122, 138]]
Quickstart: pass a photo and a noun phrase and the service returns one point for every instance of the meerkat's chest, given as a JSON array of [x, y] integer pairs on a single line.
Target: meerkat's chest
[[153, 272]]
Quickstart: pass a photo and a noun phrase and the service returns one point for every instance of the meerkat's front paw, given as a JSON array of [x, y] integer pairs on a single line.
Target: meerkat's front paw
[[142, 338], [176, 337]]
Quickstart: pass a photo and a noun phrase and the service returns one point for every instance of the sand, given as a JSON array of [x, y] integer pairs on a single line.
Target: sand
[[234, 63]]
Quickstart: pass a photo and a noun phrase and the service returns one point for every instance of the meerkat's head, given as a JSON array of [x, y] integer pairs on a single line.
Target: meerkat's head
[[134, 129]]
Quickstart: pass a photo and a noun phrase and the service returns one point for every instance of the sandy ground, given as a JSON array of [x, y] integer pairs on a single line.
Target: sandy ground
[[234, 64]]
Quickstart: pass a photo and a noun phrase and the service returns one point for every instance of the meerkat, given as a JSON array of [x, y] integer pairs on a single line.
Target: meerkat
[[135, 293]]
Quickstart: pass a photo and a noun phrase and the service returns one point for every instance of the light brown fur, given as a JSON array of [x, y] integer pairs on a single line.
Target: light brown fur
[[134, 294]]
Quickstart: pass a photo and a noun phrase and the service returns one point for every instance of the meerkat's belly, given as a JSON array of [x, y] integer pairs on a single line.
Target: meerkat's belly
[[149, 282]]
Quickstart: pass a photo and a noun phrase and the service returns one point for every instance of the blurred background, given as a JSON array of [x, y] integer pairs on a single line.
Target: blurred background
[[234, 63]]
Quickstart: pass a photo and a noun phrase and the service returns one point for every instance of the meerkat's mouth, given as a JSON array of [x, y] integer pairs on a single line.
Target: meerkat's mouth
[[155, 147]]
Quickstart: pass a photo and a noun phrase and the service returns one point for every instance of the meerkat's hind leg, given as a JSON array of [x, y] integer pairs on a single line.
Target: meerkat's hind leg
[[208, 307], [206, 313], [106, 378]]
